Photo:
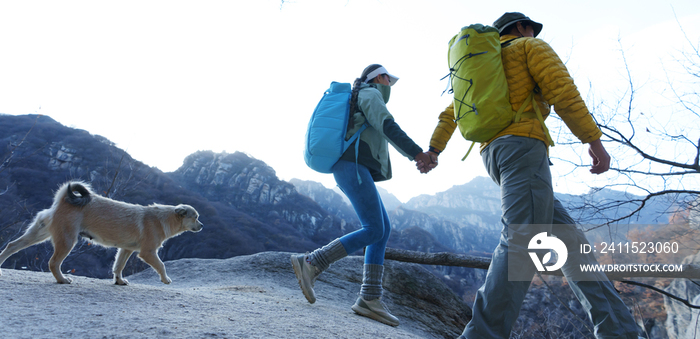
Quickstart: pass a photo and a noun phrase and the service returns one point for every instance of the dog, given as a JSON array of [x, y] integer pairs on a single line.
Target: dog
[[106, 222]]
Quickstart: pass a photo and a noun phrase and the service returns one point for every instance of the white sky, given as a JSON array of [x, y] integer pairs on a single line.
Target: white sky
[[164, 79]]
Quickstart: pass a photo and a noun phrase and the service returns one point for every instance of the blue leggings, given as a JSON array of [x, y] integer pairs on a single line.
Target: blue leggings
[[365, 199]]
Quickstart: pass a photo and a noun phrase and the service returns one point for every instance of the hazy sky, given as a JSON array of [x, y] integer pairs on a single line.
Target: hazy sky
[[163, 79]]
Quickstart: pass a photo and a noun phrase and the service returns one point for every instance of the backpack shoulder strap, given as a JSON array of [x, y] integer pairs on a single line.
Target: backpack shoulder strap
[[538, 114], [508, 42]]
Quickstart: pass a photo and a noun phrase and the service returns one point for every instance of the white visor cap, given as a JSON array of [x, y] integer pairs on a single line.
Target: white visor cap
[[381, 70]]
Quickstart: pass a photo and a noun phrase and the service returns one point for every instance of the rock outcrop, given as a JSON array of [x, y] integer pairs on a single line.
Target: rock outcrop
[[682, 321]]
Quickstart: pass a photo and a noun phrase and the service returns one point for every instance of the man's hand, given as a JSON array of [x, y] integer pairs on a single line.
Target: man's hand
[[426, 161], [600, 157]]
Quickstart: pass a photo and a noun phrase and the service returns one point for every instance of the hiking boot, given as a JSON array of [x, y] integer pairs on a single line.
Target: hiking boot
[[306, 275], [376, 310]]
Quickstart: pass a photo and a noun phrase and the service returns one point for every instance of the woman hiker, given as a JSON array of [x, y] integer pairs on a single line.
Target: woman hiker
[[356, 179]]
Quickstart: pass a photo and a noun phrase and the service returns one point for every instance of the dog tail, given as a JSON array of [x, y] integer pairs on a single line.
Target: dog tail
[[77, 200]]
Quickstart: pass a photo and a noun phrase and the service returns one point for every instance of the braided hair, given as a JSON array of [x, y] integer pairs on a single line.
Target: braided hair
[[356, 89]]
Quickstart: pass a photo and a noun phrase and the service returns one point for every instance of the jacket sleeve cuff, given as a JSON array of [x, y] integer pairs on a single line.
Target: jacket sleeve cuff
[[434, 150], [415, 151]]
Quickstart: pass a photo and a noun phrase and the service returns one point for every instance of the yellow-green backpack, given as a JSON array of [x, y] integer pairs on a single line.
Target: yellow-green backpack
[[478, 83]]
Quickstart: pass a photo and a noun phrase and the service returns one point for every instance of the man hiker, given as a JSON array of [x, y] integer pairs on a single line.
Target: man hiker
[[516, 158]]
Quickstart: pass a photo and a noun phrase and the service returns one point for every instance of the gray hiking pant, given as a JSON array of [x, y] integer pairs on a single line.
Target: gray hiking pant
[[520, 166]]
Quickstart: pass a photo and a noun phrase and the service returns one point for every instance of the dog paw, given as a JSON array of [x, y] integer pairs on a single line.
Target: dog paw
[[65, 281], [121, 282], [166, 280]]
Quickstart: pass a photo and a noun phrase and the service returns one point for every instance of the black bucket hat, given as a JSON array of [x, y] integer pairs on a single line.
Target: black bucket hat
[[510, 18]]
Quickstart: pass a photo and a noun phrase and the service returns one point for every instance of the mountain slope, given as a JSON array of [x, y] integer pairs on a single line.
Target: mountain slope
[[245, 208]]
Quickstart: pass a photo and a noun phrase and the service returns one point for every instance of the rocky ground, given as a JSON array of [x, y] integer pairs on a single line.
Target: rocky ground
[[242, 297]]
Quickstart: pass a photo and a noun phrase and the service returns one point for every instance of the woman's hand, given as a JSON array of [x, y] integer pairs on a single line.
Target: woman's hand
[[426, 161]]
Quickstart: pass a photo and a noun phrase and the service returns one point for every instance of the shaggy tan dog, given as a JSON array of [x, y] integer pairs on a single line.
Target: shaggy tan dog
[[107, 222]]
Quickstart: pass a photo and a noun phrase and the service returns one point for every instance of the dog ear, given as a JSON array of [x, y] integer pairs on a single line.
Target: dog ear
[[181, 211]]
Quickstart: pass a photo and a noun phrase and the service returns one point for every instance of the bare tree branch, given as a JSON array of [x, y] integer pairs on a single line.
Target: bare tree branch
[[627, 141], [684, 301], [656, 154], [642, 203], [689, 271], [8, 158], [116, 174]]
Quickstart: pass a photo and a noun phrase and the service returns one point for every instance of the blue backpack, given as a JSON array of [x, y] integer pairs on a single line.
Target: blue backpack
[[325, 135]]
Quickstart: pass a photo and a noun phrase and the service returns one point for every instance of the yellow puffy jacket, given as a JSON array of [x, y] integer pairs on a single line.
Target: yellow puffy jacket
[[530, 62]]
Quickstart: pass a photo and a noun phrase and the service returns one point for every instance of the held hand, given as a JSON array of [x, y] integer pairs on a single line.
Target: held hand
[[426, 161], [433, 159], [600, 157]]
